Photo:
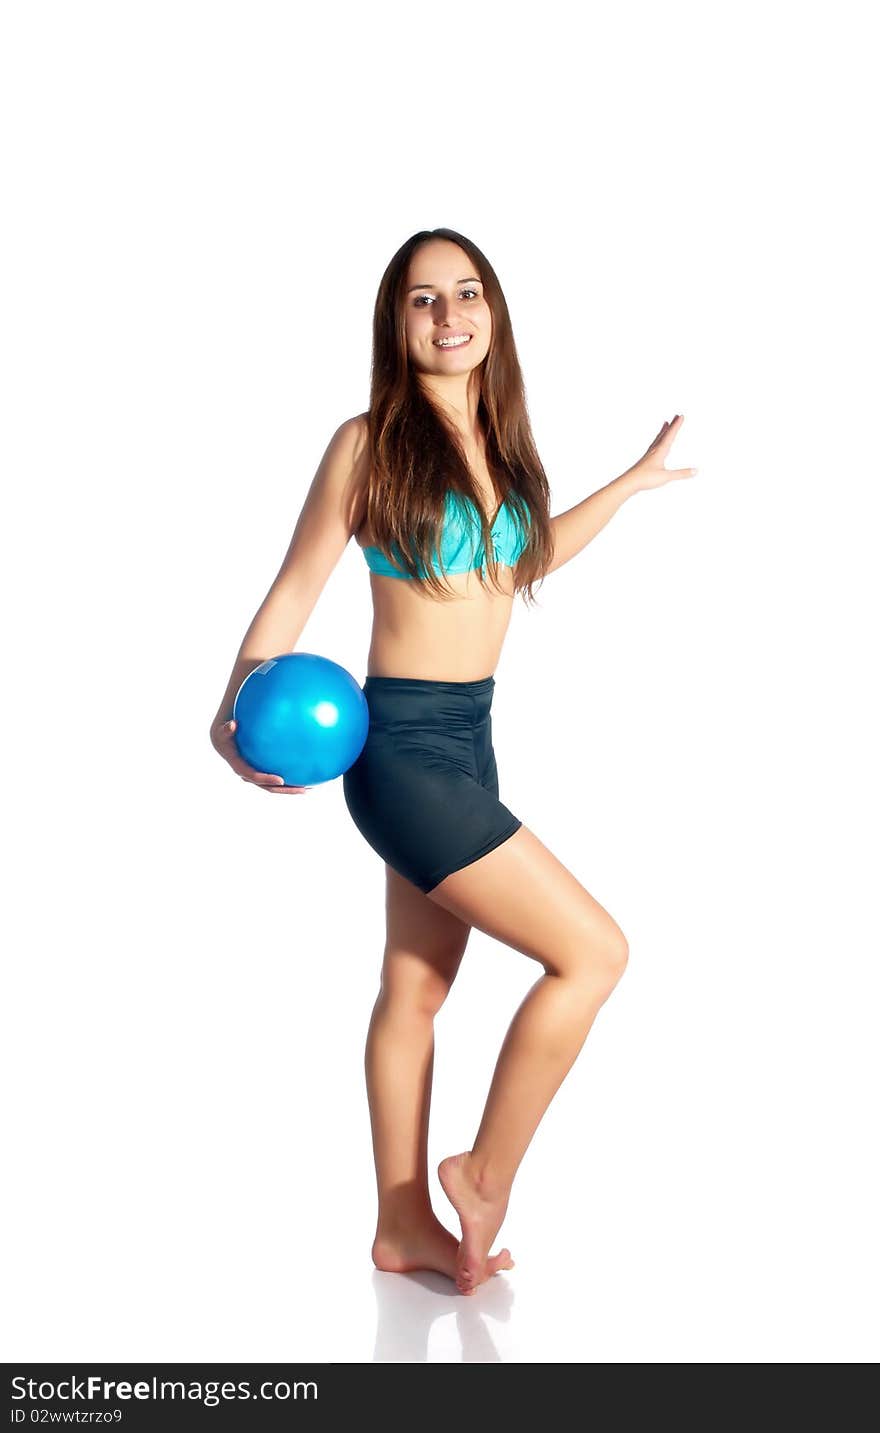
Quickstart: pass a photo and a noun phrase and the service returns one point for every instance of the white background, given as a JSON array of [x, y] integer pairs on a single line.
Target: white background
[[200, 200]]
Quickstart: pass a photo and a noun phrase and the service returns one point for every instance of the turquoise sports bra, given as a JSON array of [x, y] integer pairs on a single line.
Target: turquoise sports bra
[[461, 542]]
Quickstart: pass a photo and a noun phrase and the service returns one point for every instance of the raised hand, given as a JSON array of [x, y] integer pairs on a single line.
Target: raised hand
[[650, 471]]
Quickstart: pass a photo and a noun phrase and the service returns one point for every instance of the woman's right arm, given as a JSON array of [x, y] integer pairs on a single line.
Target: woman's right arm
[[331, 513]]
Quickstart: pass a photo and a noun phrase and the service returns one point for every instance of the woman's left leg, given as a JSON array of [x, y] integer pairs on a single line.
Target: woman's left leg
[[423, 951]]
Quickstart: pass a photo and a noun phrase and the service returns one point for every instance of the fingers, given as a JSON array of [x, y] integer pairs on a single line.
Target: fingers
[[273, 783], [665, 435], [266, 779], [268, 782]]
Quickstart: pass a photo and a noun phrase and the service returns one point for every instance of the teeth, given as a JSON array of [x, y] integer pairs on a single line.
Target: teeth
[[452, 342]]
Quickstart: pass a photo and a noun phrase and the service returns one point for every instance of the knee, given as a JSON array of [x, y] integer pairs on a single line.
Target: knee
[[419, 996], [602, 961], [615, 956]]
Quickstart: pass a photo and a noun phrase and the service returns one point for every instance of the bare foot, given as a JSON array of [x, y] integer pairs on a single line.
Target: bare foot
[[481, 1213], [426, 1244]]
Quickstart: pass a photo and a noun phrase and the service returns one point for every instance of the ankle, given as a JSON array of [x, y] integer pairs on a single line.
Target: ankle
[[490, 1182], [404, 1206]]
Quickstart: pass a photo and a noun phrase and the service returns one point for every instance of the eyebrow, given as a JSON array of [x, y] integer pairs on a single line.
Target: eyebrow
[[472, 280]]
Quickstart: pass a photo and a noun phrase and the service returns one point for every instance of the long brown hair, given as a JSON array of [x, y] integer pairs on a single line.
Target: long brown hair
[[416, 453]]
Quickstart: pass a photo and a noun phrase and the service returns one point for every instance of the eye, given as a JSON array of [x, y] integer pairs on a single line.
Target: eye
[[418, 301]]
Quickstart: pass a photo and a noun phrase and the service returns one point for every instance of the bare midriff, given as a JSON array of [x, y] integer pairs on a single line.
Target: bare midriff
[[450, 639]]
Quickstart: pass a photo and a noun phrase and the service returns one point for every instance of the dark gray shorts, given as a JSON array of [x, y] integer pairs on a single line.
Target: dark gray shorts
[[424, 790]]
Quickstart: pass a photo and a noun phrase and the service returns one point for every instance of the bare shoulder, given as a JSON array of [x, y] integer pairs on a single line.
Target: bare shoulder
[[352, 438], [350, 444], [342, 476], [332, 512], [353, 433]]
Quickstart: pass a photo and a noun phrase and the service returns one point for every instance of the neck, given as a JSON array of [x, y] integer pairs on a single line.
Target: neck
[[460, 399]]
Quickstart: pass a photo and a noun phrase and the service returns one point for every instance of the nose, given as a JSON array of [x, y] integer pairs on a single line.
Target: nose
[[451, 318]]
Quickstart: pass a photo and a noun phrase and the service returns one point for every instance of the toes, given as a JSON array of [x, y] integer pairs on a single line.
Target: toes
[[497, 1262]]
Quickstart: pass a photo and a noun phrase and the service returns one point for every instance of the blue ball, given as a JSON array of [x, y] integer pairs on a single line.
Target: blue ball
[[302, 717]]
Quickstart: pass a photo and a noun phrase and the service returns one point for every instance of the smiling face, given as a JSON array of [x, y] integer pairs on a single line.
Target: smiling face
[[444, 300]]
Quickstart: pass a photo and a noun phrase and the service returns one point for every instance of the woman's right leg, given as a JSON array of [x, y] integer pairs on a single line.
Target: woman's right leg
[[522, 895], [423, 950]]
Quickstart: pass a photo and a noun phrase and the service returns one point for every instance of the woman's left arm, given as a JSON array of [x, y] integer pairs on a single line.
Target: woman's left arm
[[572, 530]]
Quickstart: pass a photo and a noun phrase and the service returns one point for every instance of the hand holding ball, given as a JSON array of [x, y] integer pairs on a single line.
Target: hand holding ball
[[301, 716]]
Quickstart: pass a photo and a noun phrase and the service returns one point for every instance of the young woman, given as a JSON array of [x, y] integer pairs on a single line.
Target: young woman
[[441, 485]]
